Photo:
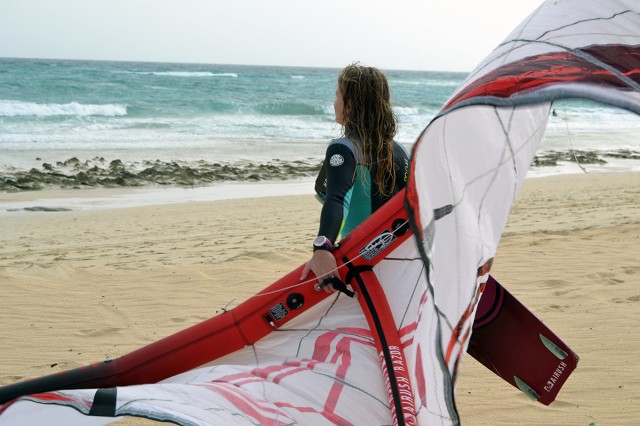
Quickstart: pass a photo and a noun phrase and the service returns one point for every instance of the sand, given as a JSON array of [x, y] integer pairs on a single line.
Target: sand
[[81, 286]]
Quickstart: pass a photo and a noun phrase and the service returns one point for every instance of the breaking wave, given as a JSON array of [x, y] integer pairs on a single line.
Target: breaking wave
[[10, 108]]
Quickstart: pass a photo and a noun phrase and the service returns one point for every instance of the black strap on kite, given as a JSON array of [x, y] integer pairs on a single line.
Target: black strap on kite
[[354, 274], [104, 402], [342, 287], [337, 284], [356, 270]]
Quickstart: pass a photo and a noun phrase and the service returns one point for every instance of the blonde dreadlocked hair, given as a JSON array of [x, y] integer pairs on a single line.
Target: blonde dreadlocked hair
[[369, 120]]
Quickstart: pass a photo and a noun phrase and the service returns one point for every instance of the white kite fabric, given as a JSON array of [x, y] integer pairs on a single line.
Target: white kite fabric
[[323, 367]]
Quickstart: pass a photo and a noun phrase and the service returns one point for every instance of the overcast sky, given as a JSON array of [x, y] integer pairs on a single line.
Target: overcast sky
[[448, 35]]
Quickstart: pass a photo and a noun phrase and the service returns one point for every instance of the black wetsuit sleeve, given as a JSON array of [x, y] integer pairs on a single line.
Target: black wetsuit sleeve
[[340, 167], [321, 183]]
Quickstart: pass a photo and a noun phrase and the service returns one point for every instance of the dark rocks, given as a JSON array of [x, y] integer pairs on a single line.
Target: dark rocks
[[551, 158], [74, 173]]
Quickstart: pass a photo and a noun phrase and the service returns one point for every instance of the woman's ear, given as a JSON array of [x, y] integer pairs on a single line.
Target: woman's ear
[[347, 108]]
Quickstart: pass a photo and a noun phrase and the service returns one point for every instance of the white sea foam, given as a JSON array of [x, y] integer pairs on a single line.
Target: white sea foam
[[226, 74], [10, 108], [433, 83], [603, 119], [406, 110], [328, 109]]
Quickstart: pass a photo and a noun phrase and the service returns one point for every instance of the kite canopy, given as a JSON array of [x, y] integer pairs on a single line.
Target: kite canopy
[[474, 155], [337, 362]]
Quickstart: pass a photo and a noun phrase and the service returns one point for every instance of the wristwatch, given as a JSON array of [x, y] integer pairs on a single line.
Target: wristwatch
[[322, 243]]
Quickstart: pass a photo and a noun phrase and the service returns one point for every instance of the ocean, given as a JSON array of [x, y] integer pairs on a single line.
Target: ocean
[[77, 124]]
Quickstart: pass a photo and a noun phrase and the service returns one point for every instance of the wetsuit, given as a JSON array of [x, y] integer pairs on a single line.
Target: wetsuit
[[347, 189]]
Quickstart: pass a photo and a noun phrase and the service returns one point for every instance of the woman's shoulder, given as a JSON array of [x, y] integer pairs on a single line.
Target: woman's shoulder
[[343, 141]]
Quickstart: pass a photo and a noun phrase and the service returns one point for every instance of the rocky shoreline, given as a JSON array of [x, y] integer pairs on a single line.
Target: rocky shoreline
[[552, 158], [100, 173]]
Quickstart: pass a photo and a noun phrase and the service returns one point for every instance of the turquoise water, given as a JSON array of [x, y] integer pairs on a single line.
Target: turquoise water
[[148, 115], [165, 109]]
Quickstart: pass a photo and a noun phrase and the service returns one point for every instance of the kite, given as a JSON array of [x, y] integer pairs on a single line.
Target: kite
[[416, 269]]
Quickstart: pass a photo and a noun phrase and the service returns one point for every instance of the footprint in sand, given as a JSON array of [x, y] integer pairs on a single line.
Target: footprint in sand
[[556, 308], [631, 299], [607, 278], [630, 270], [91, 332], [554, 283]]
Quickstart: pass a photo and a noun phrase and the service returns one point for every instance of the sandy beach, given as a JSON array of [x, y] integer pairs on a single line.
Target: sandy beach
[[82, 286]]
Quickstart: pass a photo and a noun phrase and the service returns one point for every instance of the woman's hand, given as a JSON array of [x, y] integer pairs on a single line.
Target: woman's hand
[[323, 265]]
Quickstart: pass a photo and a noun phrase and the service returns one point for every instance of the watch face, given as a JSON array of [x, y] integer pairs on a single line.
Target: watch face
[[320, 241]]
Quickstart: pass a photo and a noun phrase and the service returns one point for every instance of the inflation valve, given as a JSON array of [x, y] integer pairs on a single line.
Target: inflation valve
[[295, 301]]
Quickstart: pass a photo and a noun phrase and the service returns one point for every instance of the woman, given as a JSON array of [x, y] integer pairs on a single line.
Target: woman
[[364, 168]]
